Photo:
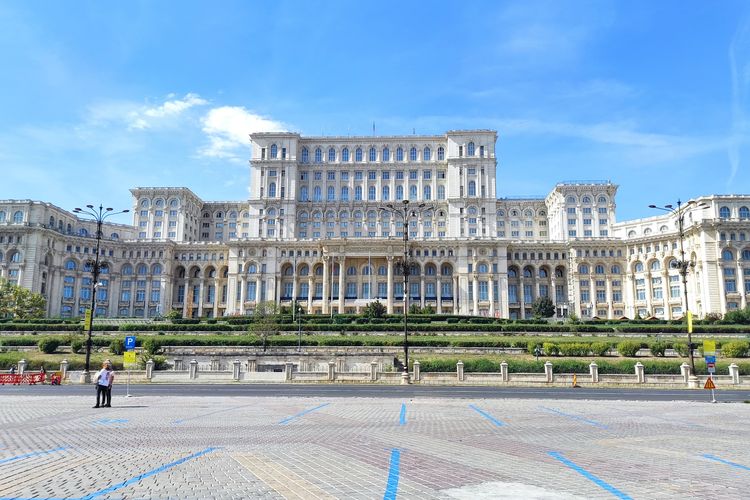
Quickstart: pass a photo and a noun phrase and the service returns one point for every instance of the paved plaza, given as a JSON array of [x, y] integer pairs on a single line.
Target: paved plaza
[[365, 448]]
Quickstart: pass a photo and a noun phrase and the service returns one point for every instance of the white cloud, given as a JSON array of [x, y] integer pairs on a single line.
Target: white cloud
[[146, 117], [228, 128]]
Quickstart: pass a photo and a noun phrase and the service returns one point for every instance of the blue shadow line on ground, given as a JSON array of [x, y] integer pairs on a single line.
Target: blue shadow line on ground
[[486, 415], [298, 415], [32, 454], [726, 462], [153, 472], [402, 415], [114, 422], [391, 487], [599, 482], [575, 417]]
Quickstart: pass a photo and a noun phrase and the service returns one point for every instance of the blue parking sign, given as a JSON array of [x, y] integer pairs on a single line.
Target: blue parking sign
[[130, 342]]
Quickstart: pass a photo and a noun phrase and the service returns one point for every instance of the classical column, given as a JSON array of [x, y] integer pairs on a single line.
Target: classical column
[[475, 294], [390, 285], [342, 275], [503, 291], [243, 291], [610, 303], [665, 295], [649, 294], [258, 290], [421, 291], [491, 284], [200, 297], [217, 292], [740, 280], [455, 294], [522, 296], [326, 283], [310, 285], [185, 297], [439, 296], [231, 295]]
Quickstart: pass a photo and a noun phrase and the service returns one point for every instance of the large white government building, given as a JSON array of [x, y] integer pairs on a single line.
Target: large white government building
[[313, 230]]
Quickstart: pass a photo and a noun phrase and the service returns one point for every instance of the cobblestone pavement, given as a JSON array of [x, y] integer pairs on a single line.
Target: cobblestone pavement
[[362, 448]]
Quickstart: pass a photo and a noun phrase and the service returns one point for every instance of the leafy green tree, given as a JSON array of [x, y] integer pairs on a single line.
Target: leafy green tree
[[738, 316], [265, 321], [543, 307], [375, 310], [19, 303], [415, 309]]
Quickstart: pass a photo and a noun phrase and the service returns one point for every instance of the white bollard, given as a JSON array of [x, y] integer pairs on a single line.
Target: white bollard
[[639, 373], [149, 369], [685, 372], [193, 369], [417, 374], [63, 369], [594, 371], [548, 372], [236, 370], [504, 371], [734, 372], [21, 366], [331, 371], [289, 367], [460, 371]]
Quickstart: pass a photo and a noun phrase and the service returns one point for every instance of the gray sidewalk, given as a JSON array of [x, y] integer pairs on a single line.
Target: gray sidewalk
[[295, 447]]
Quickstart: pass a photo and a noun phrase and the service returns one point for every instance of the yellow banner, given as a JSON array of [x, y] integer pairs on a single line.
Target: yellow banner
[[709, 347], [129, 357], [690, 322], [87, 320]]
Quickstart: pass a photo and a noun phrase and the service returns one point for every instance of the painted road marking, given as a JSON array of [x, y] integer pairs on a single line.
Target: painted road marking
[[599, 482], [402, 415], [486, 415], [727, 462], [32, 454], [575, 417], [298, 415], [391, 488]]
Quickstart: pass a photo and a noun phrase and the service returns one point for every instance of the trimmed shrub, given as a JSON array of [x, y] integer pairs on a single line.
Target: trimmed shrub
[[550, 349], [116, 347], [681, 348], [628, 348], [151, 346], [574, 349], [735, 349], [658, 348], [600, 348], [77, 345], [49, 345]]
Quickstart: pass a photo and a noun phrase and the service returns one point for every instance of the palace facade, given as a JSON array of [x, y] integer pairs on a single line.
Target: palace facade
[[322, 227]]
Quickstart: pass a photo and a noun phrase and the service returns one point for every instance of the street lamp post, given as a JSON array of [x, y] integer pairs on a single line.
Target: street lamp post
[[683, 265], [98, 215], [405, 212]]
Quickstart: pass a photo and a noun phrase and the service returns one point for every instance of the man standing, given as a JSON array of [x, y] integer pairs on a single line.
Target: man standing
[[102, 385], [111, 378]]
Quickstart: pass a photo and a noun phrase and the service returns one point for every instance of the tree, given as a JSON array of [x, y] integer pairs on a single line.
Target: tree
[[543, 307], [375, 310], [19, 303], [265, 321]]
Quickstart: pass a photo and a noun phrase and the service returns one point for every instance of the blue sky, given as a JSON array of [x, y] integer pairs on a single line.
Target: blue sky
[[98, 97]]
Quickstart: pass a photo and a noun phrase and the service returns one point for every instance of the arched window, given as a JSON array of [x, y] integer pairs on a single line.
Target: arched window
[[412, 193], [413, 154], [470, 149], [351, 271], [127, 270], [357, 193], [441, 193], [15, 257], [345, 154], [345, 193], [304, 270], [373, 154], [331, 193], [528, 272], [586, 199], [317, 194], [543, 273], [602, 200], [638, 267], [142, 269], [571, 199], [358, 155], [727, 255], [427, 193], [615, 269], [2, 216], [472, 188], [724, 212], [331, 155], [386, 154], [371, 193], [655, 265], [71, 265], [426, 154], [441, 153], [399, 193], [83, 232], [512, 273], [18, 217], [305, 155], [744, 213], [482, 268], [274, 151], [318, 155], [400, 154], [599, 269], [746, 254], [156, 269], [272, 190], [446, 270], [252, 268], [382, 271], [583, 269], [386, 193], [303, 194]]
